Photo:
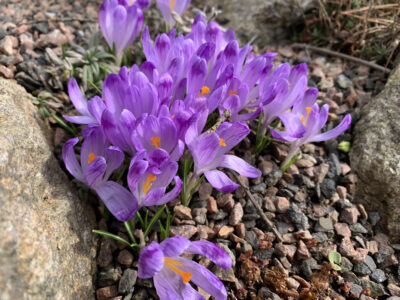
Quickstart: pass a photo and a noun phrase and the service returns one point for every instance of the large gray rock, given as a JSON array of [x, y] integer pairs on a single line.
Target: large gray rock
[[268, 21], [46, 244], [375, 155]]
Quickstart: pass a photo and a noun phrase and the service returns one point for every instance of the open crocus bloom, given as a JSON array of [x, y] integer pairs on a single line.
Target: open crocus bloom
[[96, 166], [303, 126], [120, 23], [148, 179], [171, 272], [154, 133], [169, 6], [208, 151]]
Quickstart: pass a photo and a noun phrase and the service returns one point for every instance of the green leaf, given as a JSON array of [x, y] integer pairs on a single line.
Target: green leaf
[[334, 257], [153, 220], [336, 267], [344, 146], [112, 236]]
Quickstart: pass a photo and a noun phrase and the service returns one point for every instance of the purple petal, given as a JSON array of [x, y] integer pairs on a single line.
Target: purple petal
[[153, 197], [172, 194], [204, 149], [93, 144], [119, 201], [178, 151], [220, 181], [114, 157], [79, 119], [203, 278], [232, 134], [136, 170], [151, 261], [94, 172], [293, 124], [282, 136], [174, 246], [239, 165], [112, 132], [77, 98], [70, 160], [96, 107], [163, 282], [342, 127], [197, 75], [210, 250]]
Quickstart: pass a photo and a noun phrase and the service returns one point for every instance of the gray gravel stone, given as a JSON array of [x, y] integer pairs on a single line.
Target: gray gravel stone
[[265, 293], [263, 255], [259, 188], [378, 276], [252, 239], [324, 224], [272, 178], [377, 289], [328, 188], [127, 281], [358, 228], [344, 82], [346, 264], [299, 219]]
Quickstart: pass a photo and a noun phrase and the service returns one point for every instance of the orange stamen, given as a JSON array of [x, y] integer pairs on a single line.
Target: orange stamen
[[204, 90], [156, 141], [232, 93], [146, 185], [92, 157], [222, 142], [172, 264], [172, 4], [308, 114]]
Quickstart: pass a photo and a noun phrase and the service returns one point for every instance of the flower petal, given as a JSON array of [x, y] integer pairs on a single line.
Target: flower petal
[[119, 201], [239, 165], [77, 98], [220, 181], [151, 261], [174, 246], [79, 119], [172, 194], [94, 172], [342, 127], [203, 278], [70, 160], [212, 251], [203, 149], [114, 157]]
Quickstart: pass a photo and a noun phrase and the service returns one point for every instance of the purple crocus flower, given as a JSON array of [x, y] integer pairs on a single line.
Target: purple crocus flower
[[128, 97], [282, 90], [168, 6], [97, 163], [91, 110], [154, 133], [148, 179], [208, 151], [172, 273], [304, 124], [120, 23]]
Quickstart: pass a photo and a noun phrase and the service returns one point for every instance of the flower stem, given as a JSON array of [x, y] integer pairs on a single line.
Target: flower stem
[[128, 227], [115, 237], [291, 162], [153, 220]]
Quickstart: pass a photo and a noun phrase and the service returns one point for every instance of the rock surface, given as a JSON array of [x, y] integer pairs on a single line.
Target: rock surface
[[375, 155], [46, 248], [265, 20]]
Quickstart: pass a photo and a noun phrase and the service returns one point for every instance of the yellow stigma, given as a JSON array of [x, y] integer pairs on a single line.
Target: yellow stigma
[[146, 185], [172, 264], [222, 142], [232, 93], [130, 3], [173, 116], [92, 157], [172, 4], [304, 121], [156, 141], [204, 90]]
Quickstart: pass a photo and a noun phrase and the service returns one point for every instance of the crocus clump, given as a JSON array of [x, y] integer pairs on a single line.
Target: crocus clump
[[172, 272], [177, 119]]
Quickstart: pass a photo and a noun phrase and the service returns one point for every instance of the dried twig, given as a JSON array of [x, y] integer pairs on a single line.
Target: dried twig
[[342, 55], [374, 7], [57, 20], [258, 208]]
